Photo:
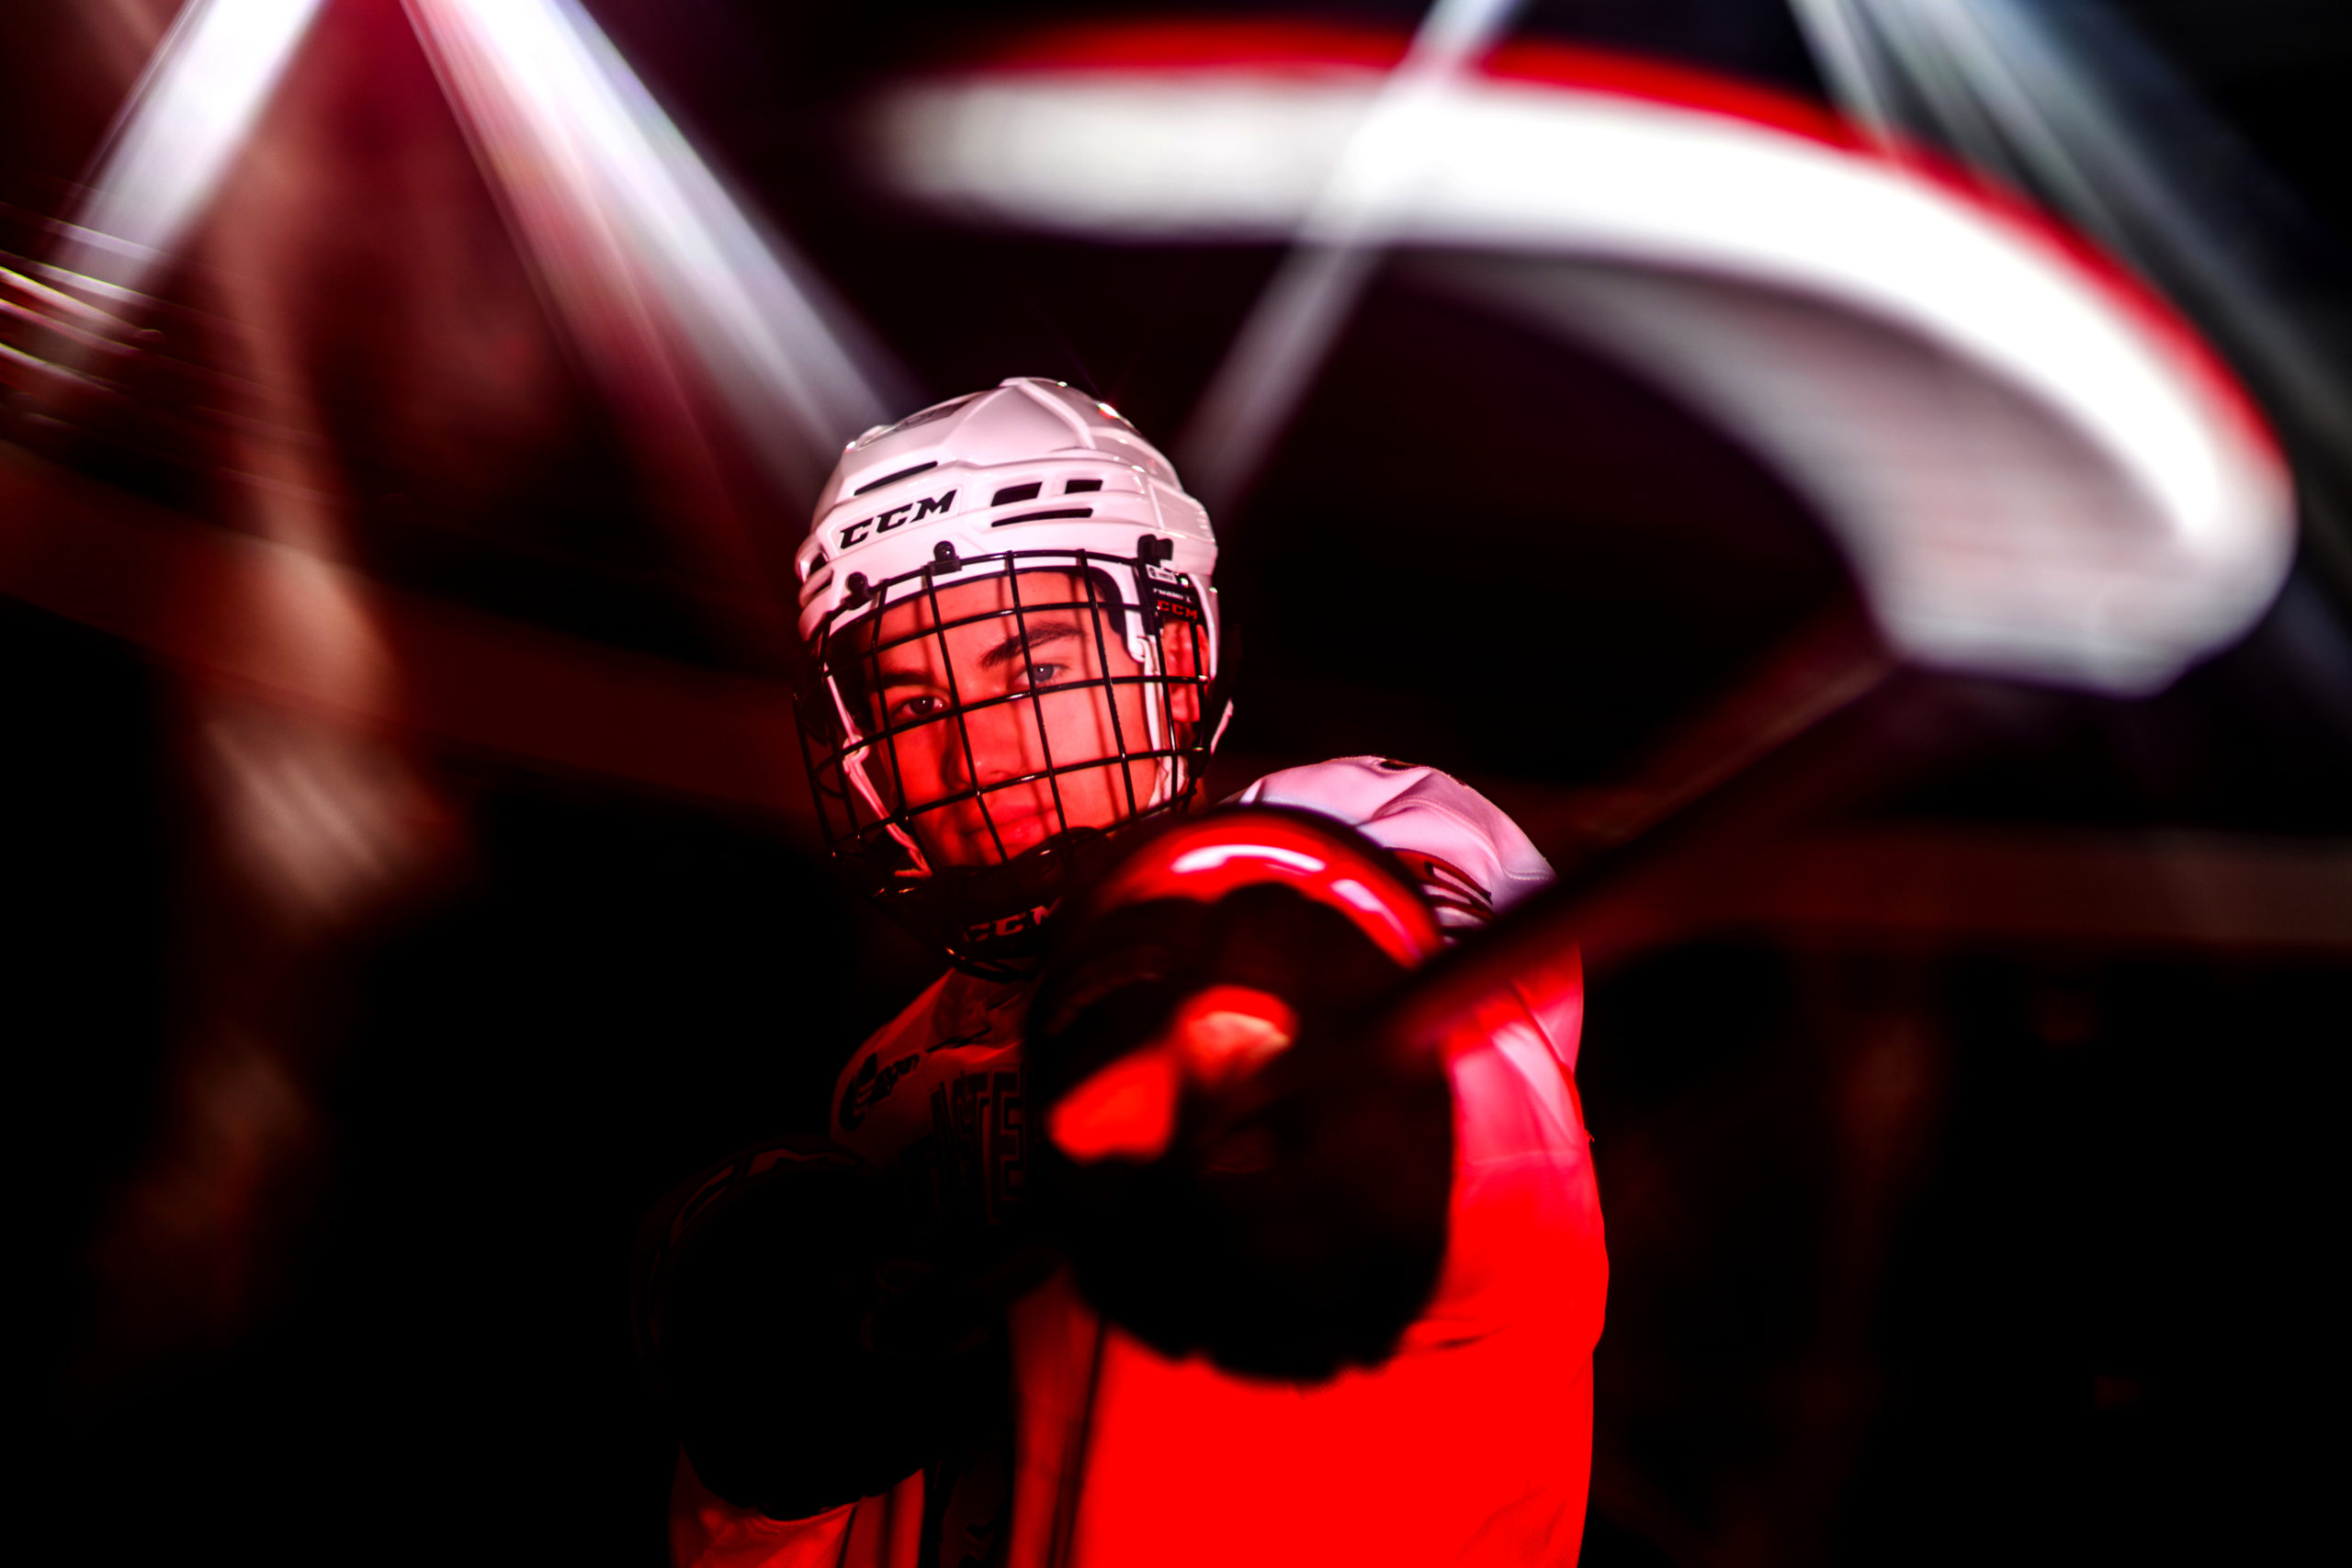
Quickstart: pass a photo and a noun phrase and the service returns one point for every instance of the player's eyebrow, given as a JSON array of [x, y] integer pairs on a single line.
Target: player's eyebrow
[[1020, 645], [1035, 636]]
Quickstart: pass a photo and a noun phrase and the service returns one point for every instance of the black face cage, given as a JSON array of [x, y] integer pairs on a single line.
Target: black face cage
[[989, 918]]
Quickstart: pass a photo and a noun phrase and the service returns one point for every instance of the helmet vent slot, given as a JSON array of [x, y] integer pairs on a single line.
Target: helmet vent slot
[[893, 479], [1080, 486], [1044, 516], [1011, 493]]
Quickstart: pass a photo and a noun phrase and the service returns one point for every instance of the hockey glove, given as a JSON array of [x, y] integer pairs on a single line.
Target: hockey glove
[[1227, 1165], [796, 1331]]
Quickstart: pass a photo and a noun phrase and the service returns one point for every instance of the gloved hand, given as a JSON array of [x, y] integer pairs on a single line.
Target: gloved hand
[[1226, 1164], [810, 1353]]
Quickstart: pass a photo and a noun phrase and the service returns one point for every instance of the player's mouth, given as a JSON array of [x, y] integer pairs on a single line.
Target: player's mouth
[[1019, 825]]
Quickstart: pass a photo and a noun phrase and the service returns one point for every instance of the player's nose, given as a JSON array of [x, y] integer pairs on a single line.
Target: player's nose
[[1001, 742]]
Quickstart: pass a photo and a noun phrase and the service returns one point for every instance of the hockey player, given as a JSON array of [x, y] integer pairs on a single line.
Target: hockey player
[[1302, 1304]]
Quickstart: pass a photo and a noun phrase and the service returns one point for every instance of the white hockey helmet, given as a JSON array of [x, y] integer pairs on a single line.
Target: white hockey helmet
[[1029, 478]]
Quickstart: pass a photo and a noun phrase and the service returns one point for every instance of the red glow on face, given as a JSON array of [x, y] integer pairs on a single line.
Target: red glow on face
[[1004, 726]]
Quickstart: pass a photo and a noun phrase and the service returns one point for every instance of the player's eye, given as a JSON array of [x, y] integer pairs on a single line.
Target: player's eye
[[1036, 675], [923, 706]]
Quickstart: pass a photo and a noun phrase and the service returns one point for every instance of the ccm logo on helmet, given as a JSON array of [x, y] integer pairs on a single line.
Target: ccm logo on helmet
[[883, 522]]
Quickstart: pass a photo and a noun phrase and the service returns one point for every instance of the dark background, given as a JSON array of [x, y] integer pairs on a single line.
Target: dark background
[[1926, 1244]]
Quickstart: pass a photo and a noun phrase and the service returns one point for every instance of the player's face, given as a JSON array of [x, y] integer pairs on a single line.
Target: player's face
[[939, 685]]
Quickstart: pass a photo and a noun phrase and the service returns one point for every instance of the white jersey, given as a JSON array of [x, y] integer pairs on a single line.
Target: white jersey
[[1470, 859], [1473, 1443]]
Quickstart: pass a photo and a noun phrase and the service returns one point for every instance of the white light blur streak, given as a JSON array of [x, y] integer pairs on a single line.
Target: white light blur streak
[[2103, 124], [182, 124], [1844, 53], [591, 163], [1289, 329], [1541, 170], [1531, 168]]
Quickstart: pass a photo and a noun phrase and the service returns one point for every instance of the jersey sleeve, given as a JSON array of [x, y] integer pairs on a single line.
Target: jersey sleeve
[[1470, 860]]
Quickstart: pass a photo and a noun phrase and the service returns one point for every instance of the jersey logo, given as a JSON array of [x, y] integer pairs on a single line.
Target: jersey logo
[[870, 1084], [895, 518], [980, 1169]]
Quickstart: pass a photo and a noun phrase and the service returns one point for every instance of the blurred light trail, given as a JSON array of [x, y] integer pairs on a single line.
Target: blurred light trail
[[2036, 469], [1289, 331], [631, 230], [1831, 661], [185, 121], [1846, 57], [2164, 891], [82, 549], [2068, 101]]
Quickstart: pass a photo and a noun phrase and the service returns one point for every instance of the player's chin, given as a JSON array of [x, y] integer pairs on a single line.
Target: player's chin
[[1012, 825], [1007, 833]]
